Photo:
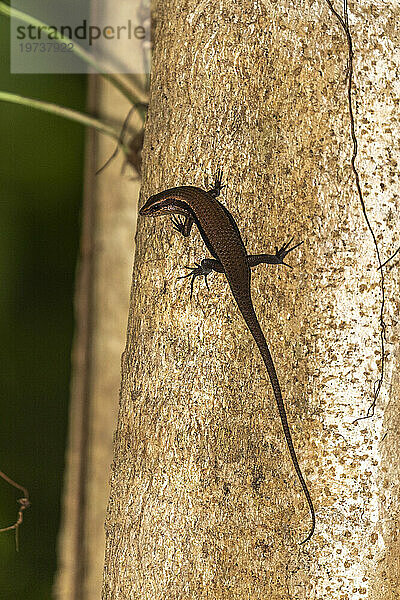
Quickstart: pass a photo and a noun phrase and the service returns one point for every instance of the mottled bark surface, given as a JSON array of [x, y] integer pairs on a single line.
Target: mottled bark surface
[[204, 500]]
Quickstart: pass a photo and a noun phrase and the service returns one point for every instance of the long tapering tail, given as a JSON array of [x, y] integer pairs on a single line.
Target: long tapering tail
[[246, 308]]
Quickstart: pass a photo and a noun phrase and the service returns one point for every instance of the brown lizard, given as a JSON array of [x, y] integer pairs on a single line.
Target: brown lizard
[[222, 237]]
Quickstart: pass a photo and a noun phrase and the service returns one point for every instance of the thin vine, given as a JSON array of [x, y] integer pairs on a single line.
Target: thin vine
[[344, 22], [23, 502]]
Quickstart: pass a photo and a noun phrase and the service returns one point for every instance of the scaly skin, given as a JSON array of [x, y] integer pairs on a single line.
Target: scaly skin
[[222, 237]]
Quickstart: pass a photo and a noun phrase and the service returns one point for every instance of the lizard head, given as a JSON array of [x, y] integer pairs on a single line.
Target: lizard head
[[160, 204], [154, 207]]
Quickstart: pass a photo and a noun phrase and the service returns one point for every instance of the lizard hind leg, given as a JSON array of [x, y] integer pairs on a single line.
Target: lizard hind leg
[[202, 269], [273, 259]]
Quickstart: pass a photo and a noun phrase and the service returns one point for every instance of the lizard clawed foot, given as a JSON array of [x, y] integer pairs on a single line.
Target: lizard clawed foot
[[199, 270], [284, 250], [218, 185], [178, 224]]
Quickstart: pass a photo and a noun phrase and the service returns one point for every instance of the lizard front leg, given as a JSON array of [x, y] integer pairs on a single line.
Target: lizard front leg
[[203, 269], [182, 225], [273, 259], [218, 185]]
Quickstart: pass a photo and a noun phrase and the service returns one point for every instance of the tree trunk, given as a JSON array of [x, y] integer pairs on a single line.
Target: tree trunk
[[205, 503], [102, 299]]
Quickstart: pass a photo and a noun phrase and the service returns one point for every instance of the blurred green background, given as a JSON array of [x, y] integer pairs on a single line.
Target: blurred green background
[[41, 178]]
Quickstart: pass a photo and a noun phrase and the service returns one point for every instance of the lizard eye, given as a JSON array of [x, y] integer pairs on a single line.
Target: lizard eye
[[158, 207]]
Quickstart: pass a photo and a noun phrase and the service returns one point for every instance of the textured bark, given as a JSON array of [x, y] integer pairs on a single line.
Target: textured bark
[[204, 500], [102, 299]]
